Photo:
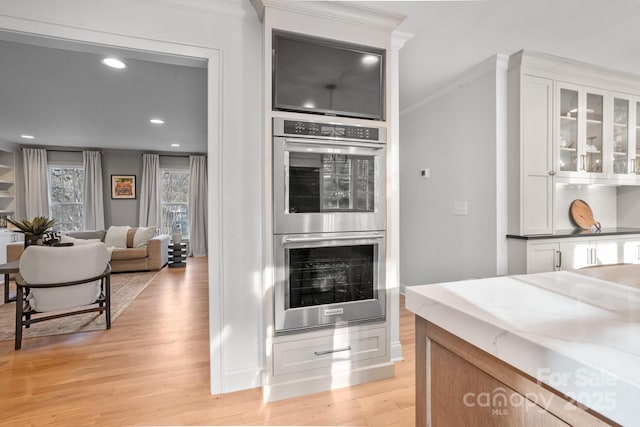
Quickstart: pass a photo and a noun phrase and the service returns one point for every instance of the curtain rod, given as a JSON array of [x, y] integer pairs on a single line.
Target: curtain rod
[[59, 151], [175, 155]]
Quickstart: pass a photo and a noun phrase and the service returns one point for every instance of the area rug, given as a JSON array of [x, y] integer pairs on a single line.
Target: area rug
[[125, 287]]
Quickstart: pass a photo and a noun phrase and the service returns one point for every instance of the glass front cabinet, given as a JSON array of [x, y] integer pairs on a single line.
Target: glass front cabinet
[[581, 132], [597, 135], [624, 138]]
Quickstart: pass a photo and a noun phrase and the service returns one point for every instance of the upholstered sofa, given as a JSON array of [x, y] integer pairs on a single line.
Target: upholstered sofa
[[153, 255]]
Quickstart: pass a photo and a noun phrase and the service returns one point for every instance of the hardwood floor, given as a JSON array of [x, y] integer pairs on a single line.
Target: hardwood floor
[[152, 368]]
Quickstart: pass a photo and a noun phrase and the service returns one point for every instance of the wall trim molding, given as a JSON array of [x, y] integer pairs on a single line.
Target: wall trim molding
[[61, 31], [339, 11], [396, 352]]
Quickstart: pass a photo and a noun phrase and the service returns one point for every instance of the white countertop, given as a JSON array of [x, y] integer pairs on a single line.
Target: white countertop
[[578, 334]]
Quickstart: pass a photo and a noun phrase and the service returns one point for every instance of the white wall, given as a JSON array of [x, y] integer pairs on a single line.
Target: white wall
[[224, 29], [454, 134]]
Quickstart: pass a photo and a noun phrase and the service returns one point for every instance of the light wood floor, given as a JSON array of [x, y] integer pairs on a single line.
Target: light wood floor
[[152, 368]]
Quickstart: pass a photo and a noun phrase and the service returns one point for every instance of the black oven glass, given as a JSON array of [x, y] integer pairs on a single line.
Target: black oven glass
[[327, 275], [331, 183]]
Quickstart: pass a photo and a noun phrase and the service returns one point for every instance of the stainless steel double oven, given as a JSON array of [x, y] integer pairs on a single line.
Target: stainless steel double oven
[[329, 224]]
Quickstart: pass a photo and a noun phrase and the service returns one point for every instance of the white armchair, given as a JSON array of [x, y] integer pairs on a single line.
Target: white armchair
[[61, 278]]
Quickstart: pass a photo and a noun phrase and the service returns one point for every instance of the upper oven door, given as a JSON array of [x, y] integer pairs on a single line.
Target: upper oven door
[[326, 186]]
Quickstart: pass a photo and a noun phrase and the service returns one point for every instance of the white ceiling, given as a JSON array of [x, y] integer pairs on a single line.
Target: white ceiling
[[68, 98], [452, 36]]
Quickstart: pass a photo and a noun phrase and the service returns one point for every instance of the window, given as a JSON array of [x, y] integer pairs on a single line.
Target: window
[[65, 196], [174, 189]]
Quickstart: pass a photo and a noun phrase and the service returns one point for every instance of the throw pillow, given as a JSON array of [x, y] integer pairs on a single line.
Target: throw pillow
[[142, 236], [116, 236], [130, 233], [76, 242]]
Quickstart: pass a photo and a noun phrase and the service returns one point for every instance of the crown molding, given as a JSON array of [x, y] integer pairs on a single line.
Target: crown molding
[[220, 7], [398, 39], [338, 10]]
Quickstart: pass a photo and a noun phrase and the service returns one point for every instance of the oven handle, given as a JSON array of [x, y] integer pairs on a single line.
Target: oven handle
[[372, 145], [321, 239]]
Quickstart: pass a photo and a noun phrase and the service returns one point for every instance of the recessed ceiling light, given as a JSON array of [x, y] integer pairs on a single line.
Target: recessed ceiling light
[[309, 104], [370, 59], [157, 121], [175, 145], [27, 136], [114, 63]]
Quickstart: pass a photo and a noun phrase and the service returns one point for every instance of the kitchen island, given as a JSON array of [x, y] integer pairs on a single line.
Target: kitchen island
[[548, 349]]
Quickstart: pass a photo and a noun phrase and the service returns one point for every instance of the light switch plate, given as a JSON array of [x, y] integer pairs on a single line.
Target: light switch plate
[[425, 173], [461, 208]]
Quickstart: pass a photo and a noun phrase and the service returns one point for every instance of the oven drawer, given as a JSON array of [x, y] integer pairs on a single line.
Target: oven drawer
[[340, 348]]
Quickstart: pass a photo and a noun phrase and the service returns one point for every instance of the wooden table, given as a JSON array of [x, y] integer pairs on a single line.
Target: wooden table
[[7, 269]]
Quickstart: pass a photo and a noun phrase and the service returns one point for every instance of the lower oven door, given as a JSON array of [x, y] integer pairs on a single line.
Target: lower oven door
[[328, 279]]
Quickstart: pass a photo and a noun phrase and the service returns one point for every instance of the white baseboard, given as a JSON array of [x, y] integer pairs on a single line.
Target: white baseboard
[[396, 352], [242, 379]]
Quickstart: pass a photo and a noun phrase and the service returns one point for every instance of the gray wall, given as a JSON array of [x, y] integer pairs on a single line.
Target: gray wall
[[454, 134], [121, 211]]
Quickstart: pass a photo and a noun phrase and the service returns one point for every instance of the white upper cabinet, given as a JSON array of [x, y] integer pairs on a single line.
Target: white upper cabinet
[[623, 139], [580, 142]]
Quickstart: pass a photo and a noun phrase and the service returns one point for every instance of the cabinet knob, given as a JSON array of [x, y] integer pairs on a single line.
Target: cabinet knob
[[552, 173]]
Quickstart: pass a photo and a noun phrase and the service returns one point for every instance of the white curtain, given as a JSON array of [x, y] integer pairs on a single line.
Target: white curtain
[[197, 206], [150, 202], [93, 206], [36, 182]]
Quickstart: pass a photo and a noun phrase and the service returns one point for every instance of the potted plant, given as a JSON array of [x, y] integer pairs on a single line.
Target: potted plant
[[33, 230]]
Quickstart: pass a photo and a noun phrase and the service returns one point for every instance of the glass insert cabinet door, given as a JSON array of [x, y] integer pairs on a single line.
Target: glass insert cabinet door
[[620, 137], [581, 130]]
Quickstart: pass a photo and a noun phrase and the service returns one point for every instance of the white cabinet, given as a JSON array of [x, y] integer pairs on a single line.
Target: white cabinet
[[530, 167], [554, 254], [623, 139], [542, 257], [629, 250], [337, 351], [537, 159], [580, 131], [586, 253]]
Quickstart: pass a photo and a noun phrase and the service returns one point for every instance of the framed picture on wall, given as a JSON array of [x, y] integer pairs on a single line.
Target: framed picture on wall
[[123, 186]]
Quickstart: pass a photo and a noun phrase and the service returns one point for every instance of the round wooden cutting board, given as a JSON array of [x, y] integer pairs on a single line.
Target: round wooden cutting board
[[582, 215]]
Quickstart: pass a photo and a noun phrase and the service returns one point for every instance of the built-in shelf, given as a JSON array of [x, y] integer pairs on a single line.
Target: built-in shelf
[[567, 149]]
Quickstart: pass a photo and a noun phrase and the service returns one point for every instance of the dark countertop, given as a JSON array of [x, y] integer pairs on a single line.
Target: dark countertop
[[577, 232]]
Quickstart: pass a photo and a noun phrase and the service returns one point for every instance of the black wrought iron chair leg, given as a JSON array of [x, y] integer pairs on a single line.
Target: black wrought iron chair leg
[[19, 307], [107, 293]]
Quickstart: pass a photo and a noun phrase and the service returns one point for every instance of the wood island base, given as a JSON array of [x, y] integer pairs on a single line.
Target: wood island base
[[458, 384]]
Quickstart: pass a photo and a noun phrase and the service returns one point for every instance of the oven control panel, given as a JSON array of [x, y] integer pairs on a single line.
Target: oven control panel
[[328, 130]]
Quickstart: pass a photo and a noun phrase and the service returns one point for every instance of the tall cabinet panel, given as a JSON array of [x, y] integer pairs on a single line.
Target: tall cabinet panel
[[536, 155]]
